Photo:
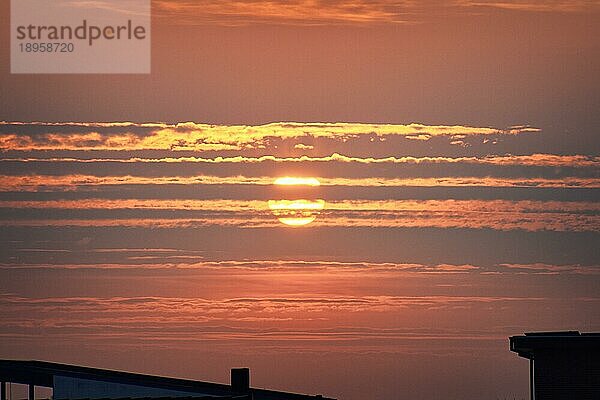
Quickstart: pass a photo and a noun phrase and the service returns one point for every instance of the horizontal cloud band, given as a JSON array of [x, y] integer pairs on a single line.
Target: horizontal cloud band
[[497, 215], [44, 183], [127, 136]]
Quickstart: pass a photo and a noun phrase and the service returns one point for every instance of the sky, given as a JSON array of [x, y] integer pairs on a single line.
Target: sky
[[454, 199]]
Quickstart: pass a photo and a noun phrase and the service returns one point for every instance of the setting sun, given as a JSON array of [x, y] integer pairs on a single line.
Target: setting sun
[[289, 180], [296, 212]]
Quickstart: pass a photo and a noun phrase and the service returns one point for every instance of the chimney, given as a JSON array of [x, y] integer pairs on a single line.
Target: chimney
[[240, 380]]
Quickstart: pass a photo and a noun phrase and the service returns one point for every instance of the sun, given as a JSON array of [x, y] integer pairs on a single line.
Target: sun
[[292, 180], [296, 212]]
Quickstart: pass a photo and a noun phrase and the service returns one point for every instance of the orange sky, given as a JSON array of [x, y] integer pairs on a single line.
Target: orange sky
[[456, 149]]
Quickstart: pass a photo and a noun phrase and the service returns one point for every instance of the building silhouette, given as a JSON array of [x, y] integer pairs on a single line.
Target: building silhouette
[[75, 382], [562, 365]]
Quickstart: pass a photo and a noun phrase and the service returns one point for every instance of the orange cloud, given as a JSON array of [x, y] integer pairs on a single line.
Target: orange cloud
[[268, 269], [529, 206], [560, 6], [472, 214], [202, 137], [331, 12], [32, 183], [548, 269], [175, 310], [268, 305], [297, 12], [538, 160]]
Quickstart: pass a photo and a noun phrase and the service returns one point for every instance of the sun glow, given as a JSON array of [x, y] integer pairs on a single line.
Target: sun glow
[[296, 212], [290, 180]]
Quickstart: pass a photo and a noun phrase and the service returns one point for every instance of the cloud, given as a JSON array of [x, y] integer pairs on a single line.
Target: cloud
[[294, 269], [302, 146], [178, 310], [447, 214], [189, 136], [556, 6], [269, 267], [263, 305], [548, 269], [172, 319], [109, 6], [535, 170], [295, 12], [45, 183], [539, 160], [335, 12], [345, 205]]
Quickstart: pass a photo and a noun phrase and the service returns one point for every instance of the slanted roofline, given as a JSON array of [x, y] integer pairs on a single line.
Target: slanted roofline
[[42, 373]]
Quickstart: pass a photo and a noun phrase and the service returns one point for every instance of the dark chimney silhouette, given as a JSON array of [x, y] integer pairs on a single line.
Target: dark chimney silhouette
[[240, 380]]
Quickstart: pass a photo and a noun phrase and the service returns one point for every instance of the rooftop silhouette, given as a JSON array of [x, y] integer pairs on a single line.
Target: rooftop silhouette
[[562, 365], [77, 382]]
